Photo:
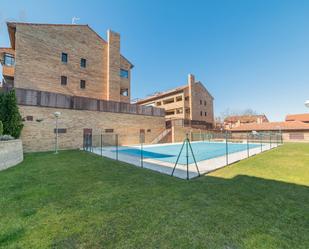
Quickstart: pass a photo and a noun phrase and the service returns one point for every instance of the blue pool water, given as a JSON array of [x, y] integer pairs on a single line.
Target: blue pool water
[[202, 151]]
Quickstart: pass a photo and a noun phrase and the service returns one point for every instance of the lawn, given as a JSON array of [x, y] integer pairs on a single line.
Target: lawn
[[79, 200]]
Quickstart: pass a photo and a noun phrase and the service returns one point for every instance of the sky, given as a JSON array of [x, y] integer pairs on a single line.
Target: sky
[[248, 53]]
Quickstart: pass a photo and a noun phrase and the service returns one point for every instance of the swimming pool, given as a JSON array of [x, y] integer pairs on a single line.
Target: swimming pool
[[202, 151]]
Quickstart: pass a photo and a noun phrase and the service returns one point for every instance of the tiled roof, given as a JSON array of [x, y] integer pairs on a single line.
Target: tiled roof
[[269, 126], [300, 117], [244, 118], [162, 94]]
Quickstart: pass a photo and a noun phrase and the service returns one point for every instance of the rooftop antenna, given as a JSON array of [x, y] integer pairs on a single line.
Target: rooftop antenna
[[74, 19]]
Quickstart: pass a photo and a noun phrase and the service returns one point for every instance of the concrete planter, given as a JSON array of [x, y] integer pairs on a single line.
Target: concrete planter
[[11, 153]]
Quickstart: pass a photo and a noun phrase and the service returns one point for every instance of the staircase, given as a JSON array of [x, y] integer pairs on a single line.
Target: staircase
[[161, 136]]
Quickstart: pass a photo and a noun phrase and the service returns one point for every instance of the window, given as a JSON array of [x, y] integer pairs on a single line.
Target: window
[[188, 110], [187, 98], [201, 102], [168, 101], [158, 103], [124, 73], [82, 84], [179, 98], [205, 113], [179, 111], [60, 130], [124, 92], [29, 118], [201, 113], [64, 58], [64, 80], [83, 62], [205, 103], [109, 130], [9, 60]]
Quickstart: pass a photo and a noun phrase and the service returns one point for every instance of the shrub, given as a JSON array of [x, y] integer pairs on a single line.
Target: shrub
[[9, 114], [1, 128]]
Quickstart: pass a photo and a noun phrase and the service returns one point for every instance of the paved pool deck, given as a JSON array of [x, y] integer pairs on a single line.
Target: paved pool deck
[[205, 166]]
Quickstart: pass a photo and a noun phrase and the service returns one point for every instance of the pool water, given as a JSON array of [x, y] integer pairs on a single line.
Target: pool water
[[202, 151]]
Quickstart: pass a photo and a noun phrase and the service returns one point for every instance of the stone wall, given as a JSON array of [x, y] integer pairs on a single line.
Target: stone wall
[[38, 134], [286, 135], [179, 133], [11, 153]]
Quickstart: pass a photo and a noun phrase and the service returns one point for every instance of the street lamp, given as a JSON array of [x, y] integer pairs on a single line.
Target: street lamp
[[57, 115]]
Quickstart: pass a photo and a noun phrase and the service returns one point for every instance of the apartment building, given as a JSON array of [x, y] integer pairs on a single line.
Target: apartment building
[[72, 69], [189, 105], [67, 59]]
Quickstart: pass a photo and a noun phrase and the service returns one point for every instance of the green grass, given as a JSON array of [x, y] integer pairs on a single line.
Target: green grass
[[79, 200]]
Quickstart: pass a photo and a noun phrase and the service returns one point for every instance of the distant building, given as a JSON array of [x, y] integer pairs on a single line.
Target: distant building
[[189, 105], [239, 120], [298, 117], [293, 131]]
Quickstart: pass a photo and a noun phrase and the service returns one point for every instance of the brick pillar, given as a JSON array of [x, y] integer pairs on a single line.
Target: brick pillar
[[113, 66]]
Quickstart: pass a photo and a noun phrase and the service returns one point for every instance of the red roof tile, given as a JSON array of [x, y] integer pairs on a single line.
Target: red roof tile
[[299, 117], [273, 126]]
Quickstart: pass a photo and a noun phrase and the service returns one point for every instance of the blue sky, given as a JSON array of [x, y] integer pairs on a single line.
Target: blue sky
[[249, 54]]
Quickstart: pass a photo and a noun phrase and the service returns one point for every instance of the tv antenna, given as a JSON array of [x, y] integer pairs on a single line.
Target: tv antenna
[[74, 19]]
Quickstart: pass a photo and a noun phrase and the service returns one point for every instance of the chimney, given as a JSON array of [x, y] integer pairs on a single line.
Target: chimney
[[113, 66], [191, 81]]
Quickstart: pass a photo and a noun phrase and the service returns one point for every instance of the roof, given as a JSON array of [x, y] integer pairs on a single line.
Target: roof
[[163, 94], [300, 117], [273, 126], [244, 118]]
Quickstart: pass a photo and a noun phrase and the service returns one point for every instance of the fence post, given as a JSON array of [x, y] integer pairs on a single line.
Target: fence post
[[226, 149], [101, 144], [187, 155], [248, 145], [117, 147], [261, 142], [269, 140], [142, 155]]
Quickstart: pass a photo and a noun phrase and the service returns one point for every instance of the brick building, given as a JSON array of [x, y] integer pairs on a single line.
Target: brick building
[[189, 105], [239, 120], [298, 117], [292, 131], [71, 69]]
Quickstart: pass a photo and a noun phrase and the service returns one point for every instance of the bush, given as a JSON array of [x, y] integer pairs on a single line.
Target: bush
[[1, 128], [9, 114], [6, 138]]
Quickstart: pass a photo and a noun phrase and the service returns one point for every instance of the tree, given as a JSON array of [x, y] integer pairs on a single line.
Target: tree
[[9, 114]]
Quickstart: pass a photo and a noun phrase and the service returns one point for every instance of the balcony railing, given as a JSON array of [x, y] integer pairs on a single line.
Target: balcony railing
[[47, 99]]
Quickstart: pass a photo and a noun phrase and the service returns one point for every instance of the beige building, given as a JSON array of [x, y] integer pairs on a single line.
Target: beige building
[[72, 69], [189, 105]]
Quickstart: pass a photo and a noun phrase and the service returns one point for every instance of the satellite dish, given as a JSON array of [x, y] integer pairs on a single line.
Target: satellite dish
[[307, 103]]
